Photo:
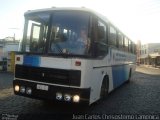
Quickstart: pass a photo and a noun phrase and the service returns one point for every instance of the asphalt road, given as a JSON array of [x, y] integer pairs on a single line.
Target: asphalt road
[[139, 97]]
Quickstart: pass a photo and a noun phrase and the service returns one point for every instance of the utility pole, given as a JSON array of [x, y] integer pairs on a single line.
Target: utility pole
[[14, 35]]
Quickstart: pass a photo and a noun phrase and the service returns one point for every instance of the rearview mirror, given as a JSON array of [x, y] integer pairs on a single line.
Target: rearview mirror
[[101, 32]]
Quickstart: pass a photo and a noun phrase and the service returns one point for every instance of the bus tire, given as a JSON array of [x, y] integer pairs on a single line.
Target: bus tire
[[104, 88], [130, 73]]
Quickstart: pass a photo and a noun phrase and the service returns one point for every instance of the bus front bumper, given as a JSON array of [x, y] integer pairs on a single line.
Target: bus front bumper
[[51, 92]]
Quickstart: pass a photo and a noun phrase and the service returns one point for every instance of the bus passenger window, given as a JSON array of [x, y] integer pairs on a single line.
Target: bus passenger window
[[101, 32], [134, 48], [130, 46], [112, 36], [120, 40], [126, 44], [101, 43]]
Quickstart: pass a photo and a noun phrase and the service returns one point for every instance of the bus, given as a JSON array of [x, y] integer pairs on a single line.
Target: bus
[[55, 64]]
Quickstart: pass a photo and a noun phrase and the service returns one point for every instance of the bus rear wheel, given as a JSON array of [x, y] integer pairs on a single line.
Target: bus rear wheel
[[104, 88]]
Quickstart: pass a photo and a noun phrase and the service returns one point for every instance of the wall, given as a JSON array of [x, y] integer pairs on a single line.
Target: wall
[[5, 52]]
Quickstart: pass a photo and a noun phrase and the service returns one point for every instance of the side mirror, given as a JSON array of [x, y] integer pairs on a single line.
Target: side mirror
[[101, 49], [101, 32]]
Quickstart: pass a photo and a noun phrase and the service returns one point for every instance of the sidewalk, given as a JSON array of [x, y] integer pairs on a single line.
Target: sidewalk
[[149, 66]]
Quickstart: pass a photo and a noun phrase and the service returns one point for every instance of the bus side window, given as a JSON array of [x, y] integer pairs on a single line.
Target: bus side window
[[101, 43], [130, 46], [120, 40], [126, 44], [112, 36], [134, 48]]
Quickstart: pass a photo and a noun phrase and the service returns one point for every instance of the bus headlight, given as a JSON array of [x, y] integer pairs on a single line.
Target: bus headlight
[[29, 91], [59, 96], [67, 97], [76, 98], [22, 89], [16, 88]]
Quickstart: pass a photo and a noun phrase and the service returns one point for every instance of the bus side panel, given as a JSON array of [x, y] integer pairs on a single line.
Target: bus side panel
[[32, 60], [120, 74], [96, 80]]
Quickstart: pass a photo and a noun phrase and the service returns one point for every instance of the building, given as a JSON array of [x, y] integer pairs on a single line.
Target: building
[[7, 46], [150, 54], [138, 51]]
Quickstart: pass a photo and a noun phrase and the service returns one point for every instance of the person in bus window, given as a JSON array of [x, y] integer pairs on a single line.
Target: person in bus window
[[83, 41]]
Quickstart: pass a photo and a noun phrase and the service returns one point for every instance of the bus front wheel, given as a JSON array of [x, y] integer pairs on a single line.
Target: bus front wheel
[[104, 88]]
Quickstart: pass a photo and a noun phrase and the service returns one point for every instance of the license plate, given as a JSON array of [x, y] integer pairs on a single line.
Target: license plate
[[42, 87]]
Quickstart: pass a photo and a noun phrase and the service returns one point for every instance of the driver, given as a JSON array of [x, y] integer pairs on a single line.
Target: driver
[[84, 41]]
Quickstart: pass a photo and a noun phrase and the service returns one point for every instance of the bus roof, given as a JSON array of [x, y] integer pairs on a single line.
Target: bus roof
[[67, 8], [104, 18], [59, 9]]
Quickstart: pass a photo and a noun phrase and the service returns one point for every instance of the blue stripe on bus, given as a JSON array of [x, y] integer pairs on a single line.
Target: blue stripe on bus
[[120, 74], [31, 60]]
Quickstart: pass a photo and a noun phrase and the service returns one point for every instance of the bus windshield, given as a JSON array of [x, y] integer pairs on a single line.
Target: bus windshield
[[57, 32]]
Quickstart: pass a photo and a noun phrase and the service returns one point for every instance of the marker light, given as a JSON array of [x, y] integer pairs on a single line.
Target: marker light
[[59, 96], [78, 63], [76, 98], [67, 97], [22, 89], [16, 88]]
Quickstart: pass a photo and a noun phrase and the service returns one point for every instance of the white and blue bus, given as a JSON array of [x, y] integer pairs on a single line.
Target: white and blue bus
[[56, 64]]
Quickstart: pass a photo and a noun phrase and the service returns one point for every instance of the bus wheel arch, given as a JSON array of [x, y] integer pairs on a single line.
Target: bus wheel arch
[[104, 87], [129, 76]]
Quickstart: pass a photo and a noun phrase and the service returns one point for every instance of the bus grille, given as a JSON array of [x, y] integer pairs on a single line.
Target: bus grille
[[48, 75]]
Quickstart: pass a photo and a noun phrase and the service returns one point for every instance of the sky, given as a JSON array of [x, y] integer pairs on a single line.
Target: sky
[[138, 19]]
